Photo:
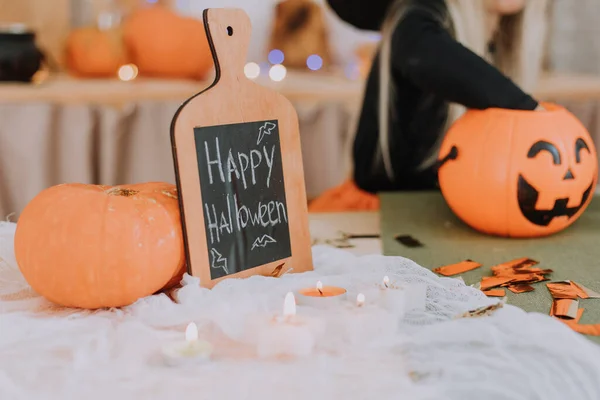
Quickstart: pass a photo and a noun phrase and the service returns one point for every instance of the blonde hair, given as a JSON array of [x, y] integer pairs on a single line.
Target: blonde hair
[[520, 44]]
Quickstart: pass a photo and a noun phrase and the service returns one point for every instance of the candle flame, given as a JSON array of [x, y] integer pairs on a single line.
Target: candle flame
[[191, 332], [360, 300], [289, 305], [386, 281], [320, 287]]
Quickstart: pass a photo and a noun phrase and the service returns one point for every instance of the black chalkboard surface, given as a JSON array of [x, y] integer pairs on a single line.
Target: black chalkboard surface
[[243, 194]]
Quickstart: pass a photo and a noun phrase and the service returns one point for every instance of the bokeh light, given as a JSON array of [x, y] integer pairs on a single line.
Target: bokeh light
[[276, 57], [252, 70], [314, 62], [277, 72], [128, 72]]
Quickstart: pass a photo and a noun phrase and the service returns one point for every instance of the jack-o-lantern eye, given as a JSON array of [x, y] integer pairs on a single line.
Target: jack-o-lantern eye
[[545, 146], [580, 144]]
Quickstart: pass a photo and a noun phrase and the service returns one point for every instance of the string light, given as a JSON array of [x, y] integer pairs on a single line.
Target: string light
[[252, 70], [314, 62], [128, 72], [277, 72], [276, 57]]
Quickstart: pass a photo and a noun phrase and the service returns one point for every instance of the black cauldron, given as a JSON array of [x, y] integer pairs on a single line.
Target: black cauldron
[[20, 58]]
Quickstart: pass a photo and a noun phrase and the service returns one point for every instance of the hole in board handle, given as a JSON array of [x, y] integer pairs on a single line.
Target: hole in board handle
[[230, 31]]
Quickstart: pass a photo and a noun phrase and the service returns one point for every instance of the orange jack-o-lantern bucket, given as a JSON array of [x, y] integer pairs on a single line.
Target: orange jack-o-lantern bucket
[[518, 173]]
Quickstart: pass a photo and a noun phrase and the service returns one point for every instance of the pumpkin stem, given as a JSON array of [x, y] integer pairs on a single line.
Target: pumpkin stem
[[122, 192]]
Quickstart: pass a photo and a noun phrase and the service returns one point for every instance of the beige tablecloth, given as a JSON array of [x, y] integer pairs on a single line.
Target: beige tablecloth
[[112, 132]]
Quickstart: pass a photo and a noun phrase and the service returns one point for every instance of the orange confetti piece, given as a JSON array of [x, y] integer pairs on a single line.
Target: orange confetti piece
[[495, 293], [568, 321], [488, 282], [565, 308], [579, 314], [510, 266], [584, 292], [563, 290], [579, 291], [458, 268], [527, 278], [521, 288], [584, 329]]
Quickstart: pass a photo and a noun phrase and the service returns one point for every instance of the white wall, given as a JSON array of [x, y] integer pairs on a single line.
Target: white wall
[[344, 37]]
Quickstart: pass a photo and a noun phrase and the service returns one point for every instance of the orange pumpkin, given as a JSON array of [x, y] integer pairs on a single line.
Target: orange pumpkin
[[164, 44], [92, 246], [95, 53], [518, 173]]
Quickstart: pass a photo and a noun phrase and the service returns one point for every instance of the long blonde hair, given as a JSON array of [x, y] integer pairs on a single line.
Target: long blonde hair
[[520, 44]]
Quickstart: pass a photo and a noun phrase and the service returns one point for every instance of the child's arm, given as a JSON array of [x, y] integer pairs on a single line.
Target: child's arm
[[425, 53]]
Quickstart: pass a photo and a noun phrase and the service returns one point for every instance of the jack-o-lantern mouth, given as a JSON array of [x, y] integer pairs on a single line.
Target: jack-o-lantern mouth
[[527, 197]]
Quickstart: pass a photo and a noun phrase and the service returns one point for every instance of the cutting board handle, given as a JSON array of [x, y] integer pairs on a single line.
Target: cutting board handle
[[228, 31]]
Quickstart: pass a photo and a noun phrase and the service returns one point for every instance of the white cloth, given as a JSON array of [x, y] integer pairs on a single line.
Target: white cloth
[[51, 353]]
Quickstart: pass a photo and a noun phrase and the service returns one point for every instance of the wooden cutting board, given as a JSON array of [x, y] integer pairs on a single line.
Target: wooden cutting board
[[238, 163]]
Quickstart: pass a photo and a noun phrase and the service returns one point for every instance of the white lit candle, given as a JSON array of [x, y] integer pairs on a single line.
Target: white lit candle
[[404, 297], [189, 351], [322, 296], [287, 334], [364, 323]]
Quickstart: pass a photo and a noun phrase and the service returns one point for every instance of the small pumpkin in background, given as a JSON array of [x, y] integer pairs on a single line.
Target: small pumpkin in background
[[518, 173], [95, 53], [91, 246], [164, 44]]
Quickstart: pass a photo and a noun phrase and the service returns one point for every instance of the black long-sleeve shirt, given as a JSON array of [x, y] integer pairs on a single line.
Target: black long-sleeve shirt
[[430, 69]]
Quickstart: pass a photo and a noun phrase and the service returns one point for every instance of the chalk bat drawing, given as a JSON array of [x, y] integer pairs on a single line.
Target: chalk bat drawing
[[218, 261], [266, 129], [263, 241]]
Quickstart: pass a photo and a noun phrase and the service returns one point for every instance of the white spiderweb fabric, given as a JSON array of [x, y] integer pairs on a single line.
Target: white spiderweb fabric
[[47, 352]]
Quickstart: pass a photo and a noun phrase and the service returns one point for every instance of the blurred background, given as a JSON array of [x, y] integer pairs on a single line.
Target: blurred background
[[88, 87]]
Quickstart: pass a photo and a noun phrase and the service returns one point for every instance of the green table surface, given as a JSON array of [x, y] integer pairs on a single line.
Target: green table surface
[[573, 254]]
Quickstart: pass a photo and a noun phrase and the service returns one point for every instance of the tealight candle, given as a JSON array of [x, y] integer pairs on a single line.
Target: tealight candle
[[322, 296], [365, 324], [287, 334], [405, 297], [189, 352], [392, 297]]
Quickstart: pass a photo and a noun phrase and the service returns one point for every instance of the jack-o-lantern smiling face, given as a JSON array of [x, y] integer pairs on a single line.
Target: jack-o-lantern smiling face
[[518, 173], [566, 187]]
